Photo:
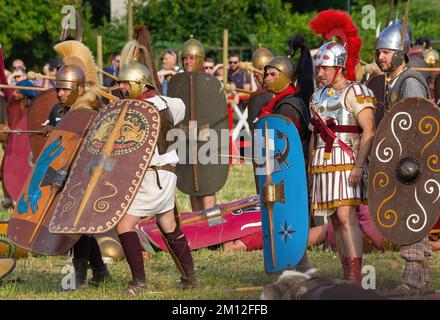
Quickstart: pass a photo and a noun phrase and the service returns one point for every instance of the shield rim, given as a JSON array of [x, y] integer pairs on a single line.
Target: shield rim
[[134, 186], [380, 128], [273, 270]]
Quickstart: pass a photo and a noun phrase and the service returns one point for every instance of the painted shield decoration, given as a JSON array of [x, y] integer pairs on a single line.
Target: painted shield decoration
[[404, 179], [28, 226], [233, 225], [205, 118], [437, 90], [16, 162], [109, 168], [37, 116], [377, 85], [283, 188]]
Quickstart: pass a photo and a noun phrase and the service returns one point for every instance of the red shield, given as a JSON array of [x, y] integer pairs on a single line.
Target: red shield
[[16, 165], [234, 225]]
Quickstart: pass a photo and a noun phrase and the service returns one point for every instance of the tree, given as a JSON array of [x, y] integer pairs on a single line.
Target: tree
[[28, 29]]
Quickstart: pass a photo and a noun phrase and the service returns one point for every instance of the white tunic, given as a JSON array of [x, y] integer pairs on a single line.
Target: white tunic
[[150, 199]]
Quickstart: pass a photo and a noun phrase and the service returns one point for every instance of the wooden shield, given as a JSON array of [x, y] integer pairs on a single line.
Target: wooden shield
[[206, 108], [377, 85], [17, 158], [281, 174], [28, 226], [437, 90], [404, 179], [109, 168], [37, 115]]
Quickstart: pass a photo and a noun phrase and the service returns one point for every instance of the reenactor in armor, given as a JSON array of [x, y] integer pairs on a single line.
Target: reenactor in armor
[[73, 92], [193, 57], [155, 196], [401, 82], [343, 131]]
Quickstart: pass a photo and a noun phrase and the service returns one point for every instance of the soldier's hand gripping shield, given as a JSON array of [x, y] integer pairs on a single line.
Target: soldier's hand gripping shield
[[404, 172], [201, 170], [109, 168], [281, 175]]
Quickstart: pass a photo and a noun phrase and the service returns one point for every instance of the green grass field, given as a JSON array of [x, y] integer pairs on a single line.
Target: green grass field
[[218, 271]]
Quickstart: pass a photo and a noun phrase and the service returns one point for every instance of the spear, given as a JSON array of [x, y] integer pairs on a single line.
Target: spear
[[216, 212], [5, 86], [266, 190], [22, 131], [98, 170]]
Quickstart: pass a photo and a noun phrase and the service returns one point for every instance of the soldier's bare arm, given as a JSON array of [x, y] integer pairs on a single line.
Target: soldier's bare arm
[[366, 121]]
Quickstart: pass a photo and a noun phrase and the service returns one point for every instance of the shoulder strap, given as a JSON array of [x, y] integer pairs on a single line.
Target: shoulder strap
[[299, 105]]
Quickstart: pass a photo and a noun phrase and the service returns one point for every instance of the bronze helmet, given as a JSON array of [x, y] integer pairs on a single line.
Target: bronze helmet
[[431, 57], [286, 76], [111, 248], [193, 47], [70, 77], [261, 57], [138, 76]]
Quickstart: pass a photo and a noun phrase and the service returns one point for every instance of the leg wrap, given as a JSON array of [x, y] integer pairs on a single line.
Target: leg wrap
[[179, 250], [133, 254], [416, 273]]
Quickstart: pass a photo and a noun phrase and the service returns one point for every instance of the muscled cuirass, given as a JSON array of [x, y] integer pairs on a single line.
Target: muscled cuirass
[[330, 103]]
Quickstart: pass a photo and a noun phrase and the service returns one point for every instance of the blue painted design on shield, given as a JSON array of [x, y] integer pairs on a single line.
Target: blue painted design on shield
[[33, 195], [291, 217]]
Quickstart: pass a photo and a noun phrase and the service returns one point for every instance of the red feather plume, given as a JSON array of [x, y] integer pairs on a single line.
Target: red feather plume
[[330, 23]]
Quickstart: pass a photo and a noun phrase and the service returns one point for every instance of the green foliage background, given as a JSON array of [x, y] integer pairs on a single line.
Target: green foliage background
[[28, 29]]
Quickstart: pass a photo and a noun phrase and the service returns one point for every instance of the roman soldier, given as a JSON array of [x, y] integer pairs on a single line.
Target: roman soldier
[[260, 58], [260, 96], [155, 196], [193, 57], [76, 86], [342, 113], [392, 49], [292, 88], [290, 100]]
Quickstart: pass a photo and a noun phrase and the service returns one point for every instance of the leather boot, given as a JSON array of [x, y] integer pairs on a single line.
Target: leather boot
[[188, 282], [100, 275], [80, 266], [355, 271], [137, 287]]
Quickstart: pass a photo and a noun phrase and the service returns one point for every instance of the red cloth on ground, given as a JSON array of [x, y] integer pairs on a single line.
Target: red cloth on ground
[[253, 241]]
